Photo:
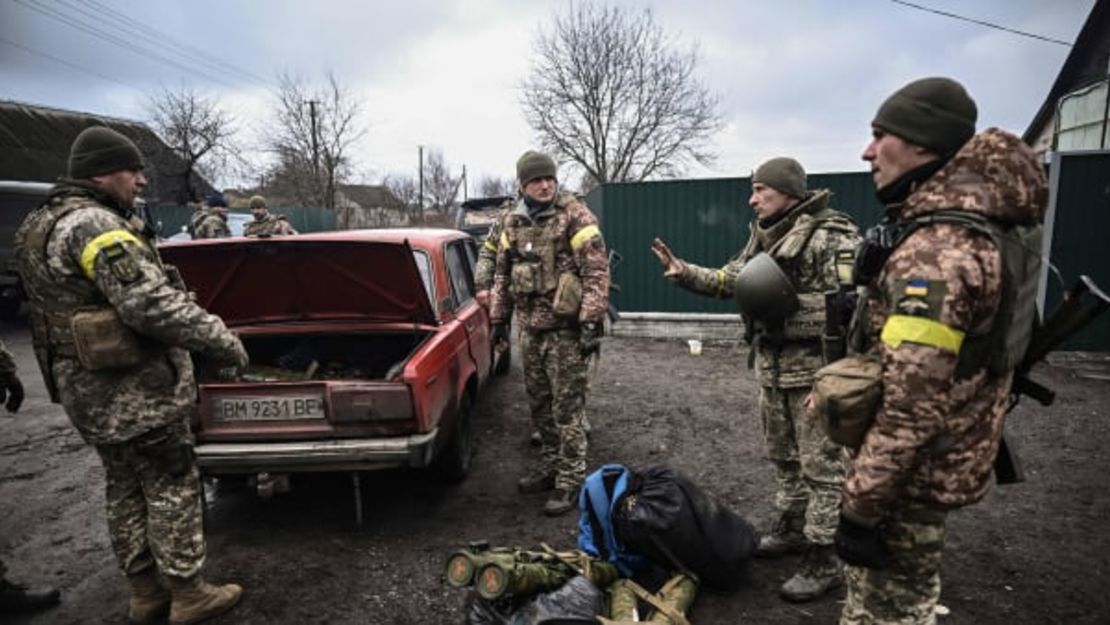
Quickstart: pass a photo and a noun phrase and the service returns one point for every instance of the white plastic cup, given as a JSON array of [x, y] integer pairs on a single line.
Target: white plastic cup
[[695, 347]]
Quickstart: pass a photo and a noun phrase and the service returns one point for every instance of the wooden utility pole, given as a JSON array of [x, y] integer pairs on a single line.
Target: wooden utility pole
[[315, 145], [420, 176]]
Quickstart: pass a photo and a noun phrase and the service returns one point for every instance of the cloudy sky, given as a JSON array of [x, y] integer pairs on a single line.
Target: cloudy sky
[[797, 77]]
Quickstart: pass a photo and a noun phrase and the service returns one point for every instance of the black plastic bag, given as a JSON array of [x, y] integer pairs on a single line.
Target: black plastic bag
[[577, 601]]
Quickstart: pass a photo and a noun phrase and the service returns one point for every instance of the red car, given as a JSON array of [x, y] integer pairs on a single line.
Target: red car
[[368, 350]]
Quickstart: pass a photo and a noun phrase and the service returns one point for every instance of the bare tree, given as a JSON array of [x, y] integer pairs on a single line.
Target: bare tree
[[609, 92], [441, 187], [196, 131], [492, 186], [406, 189], [315, 130]]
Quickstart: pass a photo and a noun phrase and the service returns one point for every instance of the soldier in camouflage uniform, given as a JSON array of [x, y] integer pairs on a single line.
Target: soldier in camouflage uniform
[[930, 315], [805, 237], [112, 330], [15, 597], [266, 224], [487, 254], [210, 221], [553, 270]]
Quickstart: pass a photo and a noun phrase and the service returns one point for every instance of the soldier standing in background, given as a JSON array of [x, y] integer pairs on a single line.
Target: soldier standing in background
[[266, 224], [949, 311], [806, 239], [112, 332], [487, 254], [210, 221], [15, 597], [553, 270]]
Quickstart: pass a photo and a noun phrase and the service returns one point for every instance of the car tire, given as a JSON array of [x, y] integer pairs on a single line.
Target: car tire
[[454, 461], [502, 367]]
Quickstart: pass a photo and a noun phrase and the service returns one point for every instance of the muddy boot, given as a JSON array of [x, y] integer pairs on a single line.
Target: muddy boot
[[785, 538], [18, 598], [150, 600], [538, 482], [821, 572], [560, 502], [195, 600]]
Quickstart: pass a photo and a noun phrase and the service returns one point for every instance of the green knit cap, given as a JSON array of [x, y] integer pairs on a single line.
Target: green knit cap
[[532, 165], [782, 174], [257, 201], [934, 113], [99, 150]]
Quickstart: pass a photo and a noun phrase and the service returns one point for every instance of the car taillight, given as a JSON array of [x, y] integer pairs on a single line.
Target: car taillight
[[371, 403]]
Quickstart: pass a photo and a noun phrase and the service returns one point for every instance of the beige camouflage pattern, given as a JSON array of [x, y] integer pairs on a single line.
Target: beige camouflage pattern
[[153, 517], [797, 361], [269, 226], [556, 380], [208, 224], [555, 227], [906, 593], [809, 468], [935, 438], [115, 405]]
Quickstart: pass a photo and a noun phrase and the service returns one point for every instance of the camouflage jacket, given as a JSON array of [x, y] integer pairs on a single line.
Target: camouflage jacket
[[935, 436], [564, 238], [269, 226], [208, 224], [80, 251], [805, 243], [487, 253]]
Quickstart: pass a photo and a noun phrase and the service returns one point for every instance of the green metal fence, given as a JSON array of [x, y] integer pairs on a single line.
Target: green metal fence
[[309, 219], [703, 221]]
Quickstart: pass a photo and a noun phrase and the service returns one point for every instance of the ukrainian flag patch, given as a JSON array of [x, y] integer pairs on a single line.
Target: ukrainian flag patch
[[916, 288]]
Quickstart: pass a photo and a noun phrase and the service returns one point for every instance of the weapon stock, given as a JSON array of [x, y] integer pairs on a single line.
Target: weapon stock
[[1081, 305]]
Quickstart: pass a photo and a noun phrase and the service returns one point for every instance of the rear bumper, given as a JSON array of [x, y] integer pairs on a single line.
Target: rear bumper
[[416, 450]]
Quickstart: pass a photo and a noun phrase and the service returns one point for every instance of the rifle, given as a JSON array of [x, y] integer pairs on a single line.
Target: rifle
[[615, 259], [1081, 305]]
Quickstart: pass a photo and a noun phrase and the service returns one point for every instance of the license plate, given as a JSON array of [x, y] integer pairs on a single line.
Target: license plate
[[284, 408]]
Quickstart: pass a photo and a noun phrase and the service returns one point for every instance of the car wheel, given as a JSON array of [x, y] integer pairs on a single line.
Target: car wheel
[[506, 362], [455, 459]]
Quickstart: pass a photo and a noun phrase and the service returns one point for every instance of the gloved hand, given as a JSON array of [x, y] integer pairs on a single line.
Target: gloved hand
[[861, 545], [499, 335], [11, 392], [589, 338]]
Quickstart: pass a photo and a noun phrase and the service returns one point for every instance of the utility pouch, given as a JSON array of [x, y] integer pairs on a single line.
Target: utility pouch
[[568, 296], [102, 341], [846, 397], [526, 277]]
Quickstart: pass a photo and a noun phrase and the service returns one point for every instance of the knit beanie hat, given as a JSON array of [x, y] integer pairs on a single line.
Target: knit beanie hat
[[782, 174], [934, 113], [99, 150], [532, 165], [257, 201], [215, 198]]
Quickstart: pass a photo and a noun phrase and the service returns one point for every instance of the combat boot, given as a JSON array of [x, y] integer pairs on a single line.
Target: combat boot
[[785, 538], [538, 482], [821, 572], [18, 598], [560, 502], [150, 600], [195, 600]]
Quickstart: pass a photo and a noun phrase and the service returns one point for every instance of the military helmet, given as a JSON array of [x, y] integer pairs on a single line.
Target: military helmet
[[764, 292]]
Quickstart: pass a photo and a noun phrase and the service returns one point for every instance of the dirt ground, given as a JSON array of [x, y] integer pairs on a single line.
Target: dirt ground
[[1030, 553]]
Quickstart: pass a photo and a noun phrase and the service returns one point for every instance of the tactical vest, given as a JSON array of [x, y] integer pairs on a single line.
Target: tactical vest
[[1001, 348], [55, 300], [535, 249]]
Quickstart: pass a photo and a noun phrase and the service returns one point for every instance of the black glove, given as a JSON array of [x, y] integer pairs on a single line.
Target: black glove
[[499, 334], [11, 390], [589, 338], [860, 545]]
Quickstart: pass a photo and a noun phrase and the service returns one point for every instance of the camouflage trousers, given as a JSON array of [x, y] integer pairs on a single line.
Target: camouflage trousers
[[809, 468], [556, 380], [154, 503], [906, 593]]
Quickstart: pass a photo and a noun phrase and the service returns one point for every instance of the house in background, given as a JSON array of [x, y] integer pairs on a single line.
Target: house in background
[[35, 142], [368, 206], [1075, 112]]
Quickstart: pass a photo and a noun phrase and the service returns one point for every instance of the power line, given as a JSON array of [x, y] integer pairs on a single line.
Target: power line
[[83, 70], [982, 23]]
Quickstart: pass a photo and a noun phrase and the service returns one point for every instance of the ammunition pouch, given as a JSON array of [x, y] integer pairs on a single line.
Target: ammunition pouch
[[102, 341], [568, 296], [808, 322], [846, 397]]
